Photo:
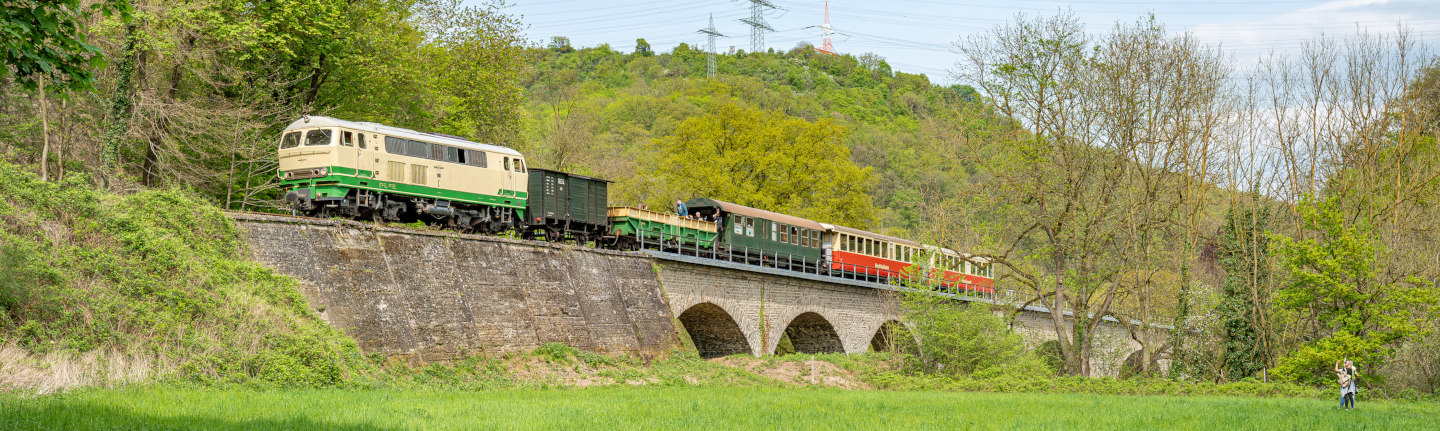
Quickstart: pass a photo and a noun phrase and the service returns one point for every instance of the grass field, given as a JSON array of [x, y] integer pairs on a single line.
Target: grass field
[[684, 408]]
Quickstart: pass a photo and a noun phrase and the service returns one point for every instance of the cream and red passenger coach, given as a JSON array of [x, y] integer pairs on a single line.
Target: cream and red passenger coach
[[858, 251]]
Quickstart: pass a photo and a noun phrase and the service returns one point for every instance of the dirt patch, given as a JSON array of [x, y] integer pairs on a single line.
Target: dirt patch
[[805, 372]]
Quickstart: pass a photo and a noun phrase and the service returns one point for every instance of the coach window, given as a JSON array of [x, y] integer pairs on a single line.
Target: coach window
[[750, 227], [794, 235], [784, 233], [774, 232], [318, 137], [291, 140], [739, 223], [347, 138], [804, 237]]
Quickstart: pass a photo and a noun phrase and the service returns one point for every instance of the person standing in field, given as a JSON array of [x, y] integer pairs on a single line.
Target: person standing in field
[[1346, 374]]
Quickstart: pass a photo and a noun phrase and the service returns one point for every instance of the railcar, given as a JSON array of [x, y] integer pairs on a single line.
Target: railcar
[[332, 167], [563, 206], [635, 227], [763, 237], [882, 257]]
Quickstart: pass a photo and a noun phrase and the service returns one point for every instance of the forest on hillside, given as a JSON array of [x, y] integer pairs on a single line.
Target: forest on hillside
[[1277, 215]]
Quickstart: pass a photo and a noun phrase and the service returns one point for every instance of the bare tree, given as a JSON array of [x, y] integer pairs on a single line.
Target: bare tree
[[1119, 137]]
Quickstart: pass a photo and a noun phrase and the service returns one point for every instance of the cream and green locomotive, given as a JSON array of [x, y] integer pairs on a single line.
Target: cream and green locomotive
[[337, 168]]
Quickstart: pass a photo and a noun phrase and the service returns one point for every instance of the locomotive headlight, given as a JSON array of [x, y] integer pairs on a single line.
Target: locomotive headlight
[[324, 171]]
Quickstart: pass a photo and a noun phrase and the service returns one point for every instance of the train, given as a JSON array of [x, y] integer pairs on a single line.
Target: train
[[330, 167]]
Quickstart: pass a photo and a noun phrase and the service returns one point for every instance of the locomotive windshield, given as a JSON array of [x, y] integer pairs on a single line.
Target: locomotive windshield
[[317, 137], [291, 140]]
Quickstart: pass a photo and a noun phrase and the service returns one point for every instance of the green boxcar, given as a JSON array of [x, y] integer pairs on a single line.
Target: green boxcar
[[747, 229], [634, 225], [566, 204]]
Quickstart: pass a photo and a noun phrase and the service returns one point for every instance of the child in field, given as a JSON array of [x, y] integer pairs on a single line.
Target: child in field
[[1346, 376]]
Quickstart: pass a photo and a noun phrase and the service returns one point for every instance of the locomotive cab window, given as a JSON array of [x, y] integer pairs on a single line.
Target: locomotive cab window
[[507, 163], [291, 140], [317, 137], [519, 166], [347, 138], [361, 139]]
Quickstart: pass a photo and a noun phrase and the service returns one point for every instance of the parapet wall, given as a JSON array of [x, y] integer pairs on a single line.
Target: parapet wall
[[436, 295]]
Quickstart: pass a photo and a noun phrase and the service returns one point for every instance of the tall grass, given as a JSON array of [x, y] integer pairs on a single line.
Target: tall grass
[[682, 408]]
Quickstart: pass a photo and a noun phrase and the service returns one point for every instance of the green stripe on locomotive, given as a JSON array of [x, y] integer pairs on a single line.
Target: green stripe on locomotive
[[653, 231], [342, 179]]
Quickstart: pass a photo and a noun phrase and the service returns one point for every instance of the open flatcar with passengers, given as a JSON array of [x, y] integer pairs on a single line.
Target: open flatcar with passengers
[[880, 256]]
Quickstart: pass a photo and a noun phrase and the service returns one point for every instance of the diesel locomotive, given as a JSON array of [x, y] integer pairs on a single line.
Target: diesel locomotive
[[335, 168]]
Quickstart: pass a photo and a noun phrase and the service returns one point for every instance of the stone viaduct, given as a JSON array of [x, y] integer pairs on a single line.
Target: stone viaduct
[[429, 295]]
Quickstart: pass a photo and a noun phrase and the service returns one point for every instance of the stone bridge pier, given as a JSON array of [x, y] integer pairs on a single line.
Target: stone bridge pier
[[726, 310]]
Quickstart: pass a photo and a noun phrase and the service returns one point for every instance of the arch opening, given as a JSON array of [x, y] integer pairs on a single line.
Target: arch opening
[[811, 333], [713, 331], [885, 339]]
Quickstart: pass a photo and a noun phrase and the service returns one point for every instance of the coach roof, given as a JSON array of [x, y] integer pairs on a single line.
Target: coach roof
[[734, 208], [871, 235], [434, 138]]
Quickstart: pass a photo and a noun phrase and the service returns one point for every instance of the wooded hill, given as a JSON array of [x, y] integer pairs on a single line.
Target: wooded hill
[[624, 117]]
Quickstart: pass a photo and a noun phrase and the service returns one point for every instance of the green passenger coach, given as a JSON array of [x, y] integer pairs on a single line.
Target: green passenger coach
[[746, 230]]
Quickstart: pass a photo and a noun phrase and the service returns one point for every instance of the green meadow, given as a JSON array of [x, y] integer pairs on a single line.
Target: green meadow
[[162, 408]]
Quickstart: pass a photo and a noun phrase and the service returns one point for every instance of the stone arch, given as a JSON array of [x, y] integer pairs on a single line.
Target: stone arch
[[714, 331], [810, 332], [884, 340]]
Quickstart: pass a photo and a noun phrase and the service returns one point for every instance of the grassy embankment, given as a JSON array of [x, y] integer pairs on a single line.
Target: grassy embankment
[[98, 289], [683, 408]]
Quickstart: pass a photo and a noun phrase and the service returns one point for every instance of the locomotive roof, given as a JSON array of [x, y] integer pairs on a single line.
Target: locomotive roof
[[735, 208], [858, 232], [321, 121]]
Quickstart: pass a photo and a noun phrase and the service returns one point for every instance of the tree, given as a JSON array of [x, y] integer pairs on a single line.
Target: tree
[[642, 48], [561, 44], [1104, 180], [765, 159], [1344, 305], [47, 38], [1243, 308]]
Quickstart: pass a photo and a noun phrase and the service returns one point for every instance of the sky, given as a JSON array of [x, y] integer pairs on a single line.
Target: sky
[[918, 36]]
